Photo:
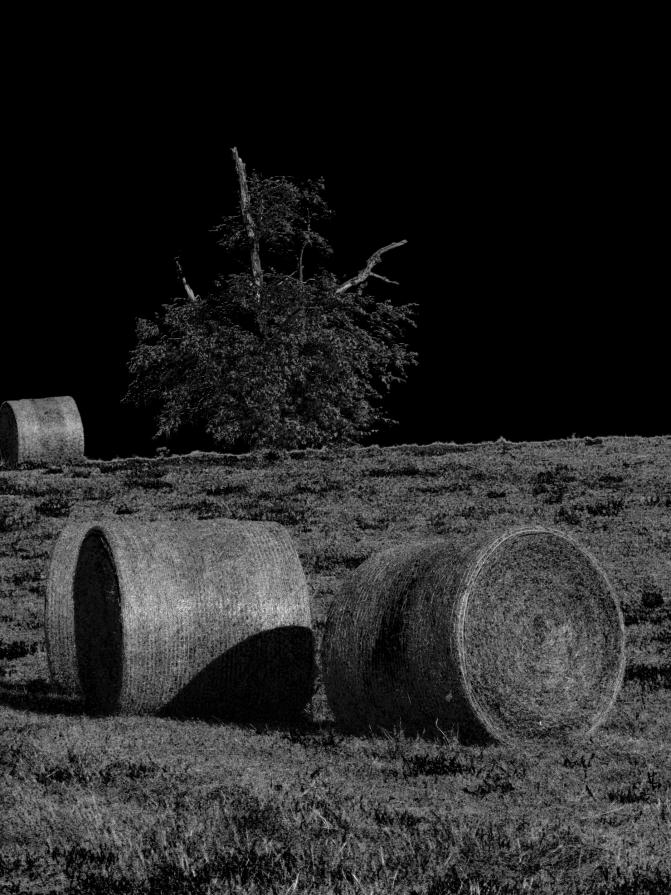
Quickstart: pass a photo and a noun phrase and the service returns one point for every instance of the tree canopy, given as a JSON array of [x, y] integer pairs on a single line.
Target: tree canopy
[[281, 355]]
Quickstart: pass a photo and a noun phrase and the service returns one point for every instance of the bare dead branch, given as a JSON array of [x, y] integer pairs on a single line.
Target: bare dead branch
[[180, 273], [252, 235], [379, 276], [367, 271]]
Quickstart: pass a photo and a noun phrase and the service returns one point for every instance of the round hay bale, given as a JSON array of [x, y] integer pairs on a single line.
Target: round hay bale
[[208, 618], [59, 609], [41, 431], [521, 639]]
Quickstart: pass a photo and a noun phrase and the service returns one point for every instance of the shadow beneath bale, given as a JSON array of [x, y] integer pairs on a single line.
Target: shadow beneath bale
[[38, 695], [266, 679]]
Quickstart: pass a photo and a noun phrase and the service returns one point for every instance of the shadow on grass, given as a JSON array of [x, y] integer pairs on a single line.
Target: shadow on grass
[[38, 695], [267, 679]]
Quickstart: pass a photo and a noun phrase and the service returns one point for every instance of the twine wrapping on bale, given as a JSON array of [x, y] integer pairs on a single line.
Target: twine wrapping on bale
[[208, 618], [41, 431], [521, 639]]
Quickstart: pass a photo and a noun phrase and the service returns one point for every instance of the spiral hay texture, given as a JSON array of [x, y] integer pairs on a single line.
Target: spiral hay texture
[[208, 618], [521, 639], [41, 431]]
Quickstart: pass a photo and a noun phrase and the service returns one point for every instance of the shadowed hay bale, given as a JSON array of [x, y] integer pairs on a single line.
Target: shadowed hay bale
[[193, 618], [521, 639], [41, 431]]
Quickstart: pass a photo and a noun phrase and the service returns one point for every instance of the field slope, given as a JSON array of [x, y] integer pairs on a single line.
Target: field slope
[[148, 805]]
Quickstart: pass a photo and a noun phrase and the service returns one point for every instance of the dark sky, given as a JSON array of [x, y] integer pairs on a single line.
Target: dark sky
[[533, 211]]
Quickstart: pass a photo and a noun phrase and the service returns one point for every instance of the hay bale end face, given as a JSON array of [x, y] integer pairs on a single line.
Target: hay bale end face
[[208, 618], [41, 431], [521, 639]]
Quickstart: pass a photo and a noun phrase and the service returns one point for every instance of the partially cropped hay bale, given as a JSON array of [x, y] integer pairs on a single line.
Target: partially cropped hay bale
[[521, 639], [41, 431], [197, 618]]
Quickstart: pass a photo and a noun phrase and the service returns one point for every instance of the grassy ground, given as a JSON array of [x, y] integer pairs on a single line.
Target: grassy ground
[[153, 805]]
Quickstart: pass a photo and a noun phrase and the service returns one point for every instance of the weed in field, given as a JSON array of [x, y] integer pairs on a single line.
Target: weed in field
[[652, 599], [209, 509], [609, 506], [80, 768], [150, 479], [371, 521], [124, 510], [102, 491], [273, 455], [656, 499], [321, 486], [568, 515], [17, 649], [16, 517], [205, 509], [476, 511], [55, 506], [444, 486], [9, 485], [439, 764], [82, 473], [405, 469], [226, 488], [28, 575], [552, 484], [650, 676], [639, 791], [610, 479], [275, 509], [333, 557]]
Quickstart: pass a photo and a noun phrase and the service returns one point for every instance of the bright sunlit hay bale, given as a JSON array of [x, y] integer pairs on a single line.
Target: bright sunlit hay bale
[[521, 640], [41, 431], [208, 618]]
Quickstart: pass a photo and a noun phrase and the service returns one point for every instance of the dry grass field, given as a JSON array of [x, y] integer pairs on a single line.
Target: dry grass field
[[161, 805]]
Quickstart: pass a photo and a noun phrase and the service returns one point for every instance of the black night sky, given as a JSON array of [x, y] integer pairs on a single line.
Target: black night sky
[[533, 208]]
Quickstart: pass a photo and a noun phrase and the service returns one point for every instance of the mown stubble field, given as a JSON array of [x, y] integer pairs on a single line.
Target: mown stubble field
[[149, 805]]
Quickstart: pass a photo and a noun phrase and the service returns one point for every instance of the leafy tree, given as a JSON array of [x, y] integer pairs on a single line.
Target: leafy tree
[[273, 357]]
